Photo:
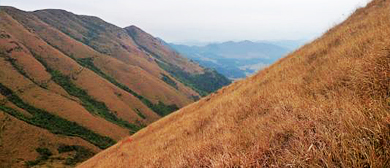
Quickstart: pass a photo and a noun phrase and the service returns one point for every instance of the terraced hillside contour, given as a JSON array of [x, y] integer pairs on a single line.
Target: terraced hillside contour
[[72, 85], [325, 105]]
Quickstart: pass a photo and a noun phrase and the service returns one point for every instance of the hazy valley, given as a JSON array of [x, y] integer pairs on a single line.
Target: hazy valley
[[76, 90], [237, 60]]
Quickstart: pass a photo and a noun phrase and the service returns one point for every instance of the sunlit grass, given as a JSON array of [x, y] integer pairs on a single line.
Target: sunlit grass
[[325, 105]]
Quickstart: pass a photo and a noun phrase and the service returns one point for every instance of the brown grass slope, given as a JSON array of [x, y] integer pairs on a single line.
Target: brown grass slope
[[325, 105], [165, 53], [18, 138], [114, 41], [134, 70], [136, 78], [28, 42], [54, 101], [202, 80]]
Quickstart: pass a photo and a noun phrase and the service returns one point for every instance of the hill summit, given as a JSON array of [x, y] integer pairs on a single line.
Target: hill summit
[[325, 105]]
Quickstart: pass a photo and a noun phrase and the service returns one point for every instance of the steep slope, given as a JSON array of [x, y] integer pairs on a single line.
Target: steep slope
[[137, 49], [17, 137], [179, 67], [158, 49], [78, 80], [325, 105], [42, 97]]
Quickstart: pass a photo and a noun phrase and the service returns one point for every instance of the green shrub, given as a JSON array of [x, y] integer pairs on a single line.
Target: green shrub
[[81, 155], [169, 81], [140, 114], [163, 109], [44, 154], [65, 148], [204, 84], [32, 163]]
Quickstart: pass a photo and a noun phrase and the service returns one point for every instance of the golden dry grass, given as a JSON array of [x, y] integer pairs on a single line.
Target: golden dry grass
[[18, 141], [25, 36], [325, 105]]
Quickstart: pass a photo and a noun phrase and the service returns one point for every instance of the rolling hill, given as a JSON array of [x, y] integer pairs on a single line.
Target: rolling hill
[[72, 85], [325, 105]]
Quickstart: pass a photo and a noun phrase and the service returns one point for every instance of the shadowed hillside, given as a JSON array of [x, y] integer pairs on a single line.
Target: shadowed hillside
[[78, 84], [325, 105]]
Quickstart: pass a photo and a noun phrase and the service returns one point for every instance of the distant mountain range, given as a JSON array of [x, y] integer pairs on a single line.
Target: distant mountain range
[[238, 59]]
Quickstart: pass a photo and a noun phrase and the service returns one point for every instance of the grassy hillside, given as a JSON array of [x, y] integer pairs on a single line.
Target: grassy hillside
[[325, 105], [203, 81], [82, 82], [20, 142]]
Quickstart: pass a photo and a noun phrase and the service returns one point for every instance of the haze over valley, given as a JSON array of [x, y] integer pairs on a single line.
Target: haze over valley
[[195, 83], [237, 60]]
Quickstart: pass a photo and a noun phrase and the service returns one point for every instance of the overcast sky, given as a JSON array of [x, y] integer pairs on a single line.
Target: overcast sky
[[211, 20]]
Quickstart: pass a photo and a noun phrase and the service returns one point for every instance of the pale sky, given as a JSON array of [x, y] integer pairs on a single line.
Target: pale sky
[[211, 20]]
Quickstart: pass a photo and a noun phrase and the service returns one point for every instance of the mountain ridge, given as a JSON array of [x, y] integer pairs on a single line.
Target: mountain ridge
[[324, 105], [82, 80]]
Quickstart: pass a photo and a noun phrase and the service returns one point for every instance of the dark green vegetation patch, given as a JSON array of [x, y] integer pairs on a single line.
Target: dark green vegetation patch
[[169, 81], [89, 103], [53, 123], [160, 108], [206, 83], [44, 154], [140, 114], [20, 69], [81, 154]]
